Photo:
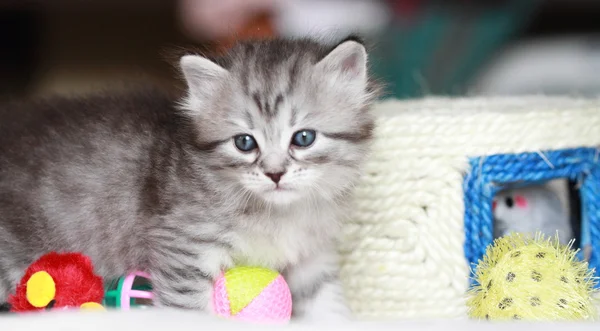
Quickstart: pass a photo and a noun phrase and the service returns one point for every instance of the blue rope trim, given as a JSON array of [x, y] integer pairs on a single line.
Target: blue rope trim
[[490, 174], [590, 193]]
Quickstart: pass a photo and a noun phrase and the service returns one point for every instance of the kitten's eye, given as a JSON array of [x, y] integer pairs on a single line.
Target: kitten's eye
[[245, 142], [304, 138]]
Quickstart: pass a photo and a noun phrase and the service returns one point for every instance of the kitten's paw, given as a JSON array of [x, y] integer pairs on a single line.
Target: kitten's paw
[[215, 265], [188, 282]]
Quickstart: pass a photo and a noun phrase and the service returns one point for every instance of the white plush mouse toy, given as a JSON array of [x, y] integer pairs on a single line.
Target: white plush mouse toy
[[529, 210]]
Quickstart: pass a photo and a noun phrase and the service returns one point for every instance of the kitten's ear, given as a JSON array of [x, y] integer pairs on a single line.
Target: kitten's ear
[[347, 63], [201, 74]]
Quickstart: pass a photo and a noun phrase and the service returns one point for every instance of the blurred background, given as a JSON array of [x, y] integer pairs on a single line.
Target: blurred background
[[421, 47]]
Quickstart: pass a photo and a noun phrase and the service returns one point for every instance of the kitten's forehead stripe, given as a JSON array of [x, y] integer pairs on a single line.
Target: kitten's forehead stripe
[[268, 111], [245, 83], [278, 101], [293, 117], [293, 75], [248, 119], [257, 101], [266, 107]]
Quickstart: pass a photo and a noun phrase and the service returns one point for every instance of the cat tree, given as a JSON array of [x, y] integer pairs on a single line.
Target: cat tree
[[423, 209]]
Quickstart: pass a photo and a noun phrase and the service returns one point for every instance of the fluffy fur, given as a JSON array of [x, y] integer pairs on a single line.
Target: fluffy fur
[[142, 181]]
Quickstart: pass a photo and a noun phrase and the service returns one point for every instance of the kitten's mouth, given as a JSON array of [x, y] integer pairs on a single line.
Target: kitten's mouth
[[279, 188], [280, 195]]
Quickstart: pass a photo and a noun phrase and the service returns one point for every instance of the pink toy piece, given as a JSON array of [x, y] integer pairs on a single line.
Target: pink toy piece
[[127, 292], [220, 299], [272, 305]]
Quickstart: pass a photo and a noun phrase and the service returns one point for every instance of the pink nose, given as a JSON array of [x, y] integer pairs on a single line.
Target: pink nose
[[275, 177]]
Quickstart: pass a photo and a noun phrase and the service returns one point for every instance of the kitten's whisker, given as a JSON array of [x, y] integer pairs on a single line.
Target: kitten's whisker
[[248, 196], [314, 202], [232, 201]]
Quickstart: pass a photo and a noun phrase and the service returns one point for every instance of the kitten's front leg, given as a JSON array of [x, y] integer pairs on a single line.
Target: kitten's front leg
[[183, 275], [317, 292]]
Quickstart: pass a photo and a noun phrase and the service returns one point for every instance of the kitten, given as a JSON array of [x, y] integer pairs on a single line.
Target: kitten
[[255, 165]]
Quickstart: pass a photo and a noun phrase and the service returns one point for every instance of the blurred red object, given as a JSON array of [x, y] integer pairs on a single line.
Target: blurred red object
[[221, 19], [58, 281], [259, 27], [405, 8]]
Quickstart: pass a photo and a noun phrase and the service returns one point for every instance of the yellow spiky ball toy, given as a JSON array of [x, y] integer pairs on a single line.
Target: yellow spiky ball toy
[[532, 278]]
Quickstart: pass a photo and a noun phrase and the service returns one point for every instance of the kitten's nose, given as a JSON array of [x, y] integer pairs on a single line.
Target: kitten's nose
[[275, 176]]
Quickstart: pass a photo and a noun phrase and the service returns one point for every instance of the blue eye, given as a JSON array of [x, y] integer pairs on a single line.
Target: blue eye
[[245, 142], [304, 138]]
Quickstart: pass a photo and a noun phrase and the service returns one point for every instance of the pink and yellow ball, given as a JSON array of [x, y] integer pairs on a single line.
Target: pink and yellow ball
[[252, 294]]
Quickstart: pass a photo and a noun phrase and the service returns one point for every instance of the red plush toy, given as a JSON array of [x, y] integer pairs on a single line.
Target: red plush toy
[[58, 281]]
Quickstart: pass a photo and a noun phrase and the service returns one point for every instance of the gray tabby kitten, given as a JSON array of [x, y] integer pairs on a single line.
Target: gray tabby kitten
[[254, 166]]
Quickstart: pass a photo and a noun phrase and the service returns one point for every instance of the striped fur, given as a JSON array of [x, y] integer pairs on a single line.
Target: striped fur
[[145, 181]]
